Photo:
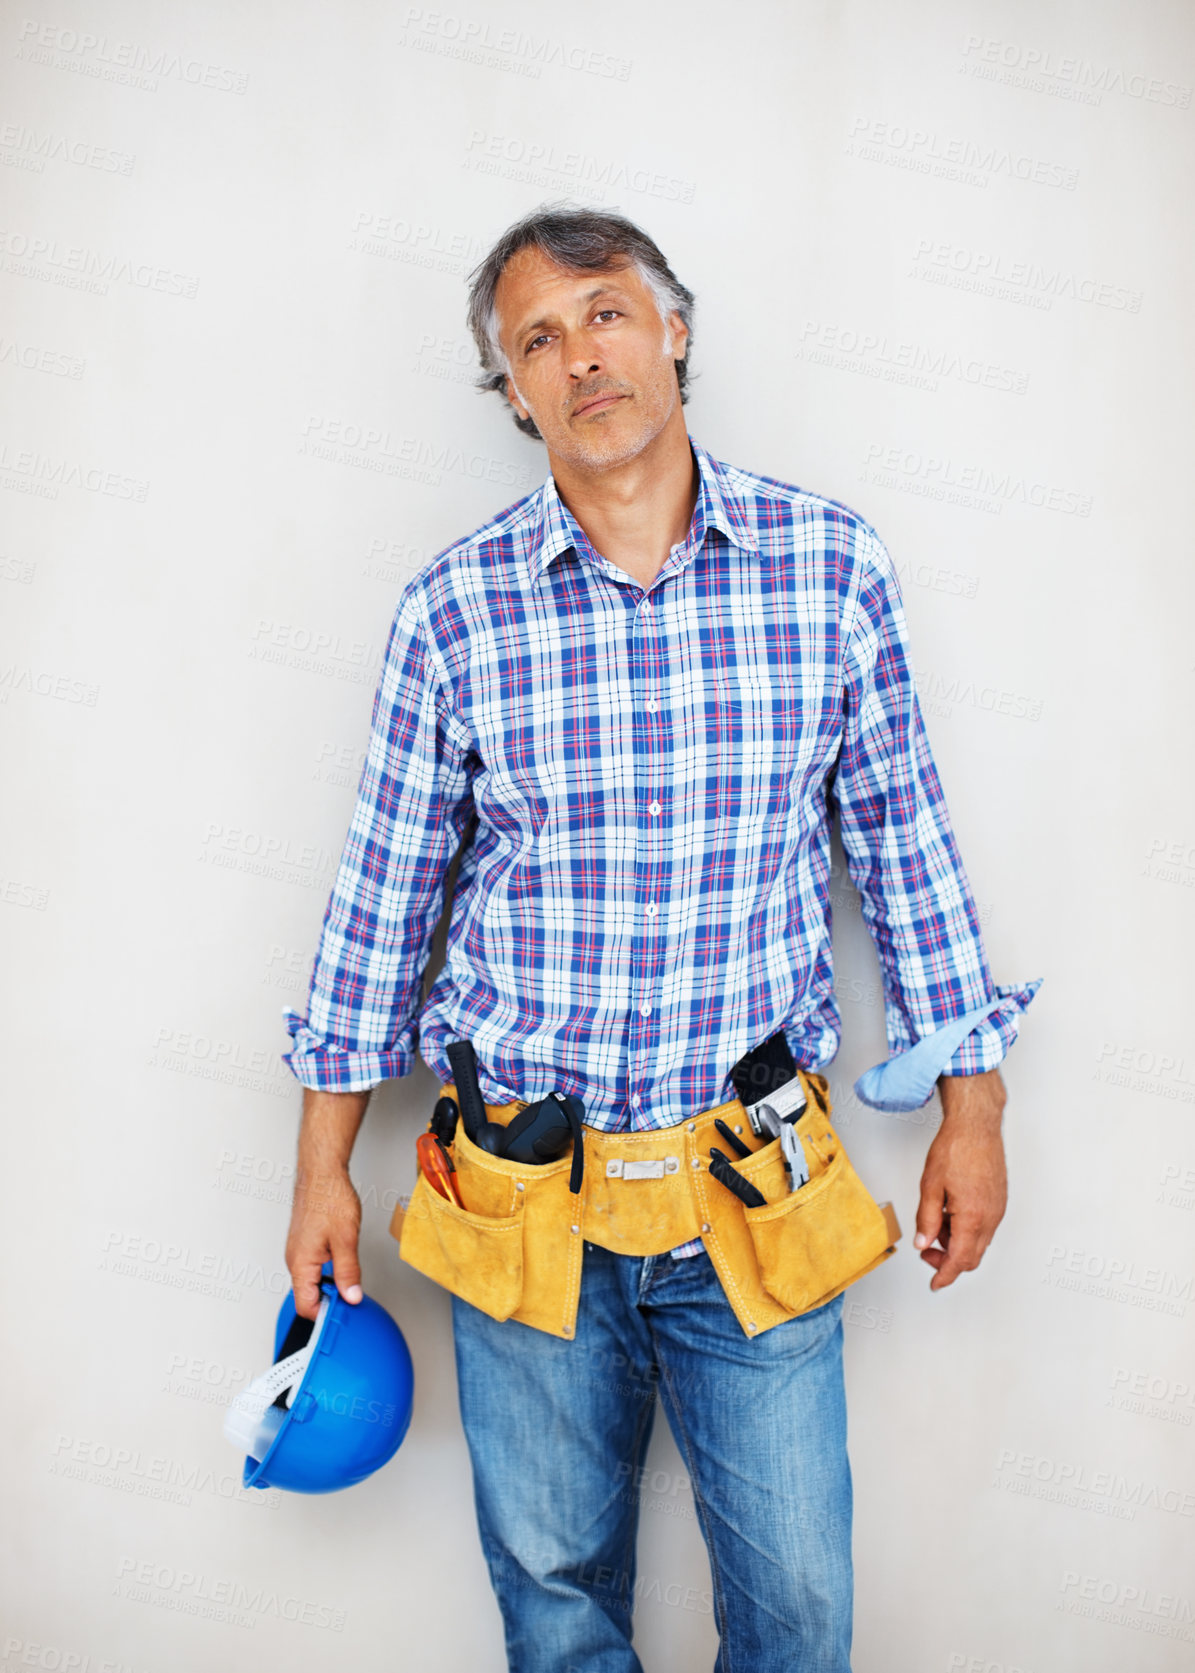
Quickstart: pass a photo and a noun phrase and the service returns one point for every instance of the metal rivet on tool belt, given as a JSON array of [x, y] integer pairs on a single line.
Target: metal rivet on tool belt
[[705, 1228], [576, 1228], [696, 1162], [519, 1186], [692, 1126], [751, 1325]]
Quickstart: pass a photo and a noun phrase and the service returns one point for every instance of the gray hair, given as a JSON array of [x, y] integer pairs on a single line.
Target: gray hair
[[585, 240]]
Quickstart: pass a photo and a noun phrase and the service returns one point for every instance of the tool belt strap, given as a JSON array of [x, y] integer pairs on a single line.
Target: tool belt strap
[[516, 1248]]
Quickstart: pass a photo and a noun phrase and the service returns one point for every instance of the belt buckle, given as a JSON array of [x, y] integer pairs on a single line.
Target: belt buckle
[[656, 1168]]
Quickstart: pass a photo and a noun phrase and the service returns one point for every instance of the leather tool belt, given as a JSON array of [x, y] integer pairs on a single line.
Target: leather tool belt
[[515, 1251]]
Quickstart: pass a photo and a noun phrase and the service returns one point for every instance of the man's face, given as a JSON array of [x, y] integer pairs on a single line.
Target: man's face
[[590, 358]]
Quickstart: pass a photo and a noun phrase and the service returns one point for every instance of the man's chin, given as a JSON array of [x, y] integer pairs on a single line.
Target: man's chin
[[600, 446]]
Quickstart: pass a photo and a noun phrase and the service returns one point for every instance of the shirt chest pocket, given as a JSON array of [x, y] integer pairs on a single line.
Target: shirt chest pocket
[[747, 744]]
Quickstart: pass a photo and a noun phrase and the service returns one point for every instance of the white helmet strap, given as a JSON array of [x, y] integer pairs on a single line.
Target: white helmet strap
[[242, 1421]]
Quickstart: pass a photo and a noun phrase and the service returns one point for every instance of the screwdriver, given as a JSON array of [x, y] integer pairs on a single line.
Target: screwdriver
[[732, 1138], [726, 1174]]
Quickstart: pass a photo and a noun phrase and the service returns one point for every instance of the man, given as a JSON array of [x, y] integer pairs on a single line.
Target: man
[[653, 682]]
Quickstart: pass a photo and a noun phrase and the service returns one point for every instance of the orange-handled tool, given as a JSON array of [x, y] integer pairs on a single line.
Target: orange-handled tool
[[435, 1164]]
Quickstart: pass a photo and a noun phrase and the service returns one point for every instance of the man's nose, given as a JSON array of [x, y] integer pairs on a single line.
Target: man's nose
[[583, 359]]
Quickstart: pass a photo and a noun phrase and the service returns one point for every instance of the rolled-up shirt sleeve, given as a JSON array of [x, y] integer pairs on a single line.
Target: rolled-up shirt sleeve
[[413, 803], [903, 859]]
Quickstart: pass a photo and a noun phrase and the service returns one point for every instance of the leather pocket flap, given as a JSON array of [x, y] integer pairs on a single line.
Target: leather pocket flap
[[816, 1240], [477, 1256]]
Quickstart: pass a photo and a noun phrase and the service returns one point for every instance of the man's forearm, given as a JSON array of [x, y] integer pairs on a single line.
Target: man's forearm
[[329, 1128]]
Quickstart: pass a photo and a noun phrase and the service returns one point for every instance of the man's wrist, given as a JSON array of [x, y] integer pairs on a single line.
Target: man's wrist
[[973, 1098]]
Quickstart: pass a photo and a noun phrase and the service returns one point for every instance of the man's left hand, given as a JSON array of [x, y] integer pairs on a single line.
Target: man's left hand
[[964, 1186]]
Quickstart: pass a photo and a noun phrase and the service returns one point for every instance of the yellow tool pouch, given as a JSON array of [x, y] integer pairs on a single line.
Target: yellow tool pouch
[[515, 1251]]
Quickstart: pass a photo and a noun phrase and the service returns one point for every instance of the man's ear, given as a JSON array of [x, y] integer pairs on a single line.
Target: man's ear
[[512, 395], [678, 335]]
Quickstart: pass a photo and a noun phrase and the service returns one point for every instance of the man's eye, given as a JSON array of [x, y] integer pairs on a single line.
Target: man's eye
[[603, 312], [533, 342]]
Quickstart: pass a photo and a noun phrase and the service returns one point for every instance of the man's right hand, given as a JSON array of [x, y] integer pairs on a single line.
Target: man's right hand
[[325, 1218], [325, 1225]]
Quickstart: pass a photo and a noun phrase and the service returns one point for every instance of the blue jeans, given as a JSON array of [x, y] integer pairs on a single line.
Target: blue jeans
[[558, 1430]]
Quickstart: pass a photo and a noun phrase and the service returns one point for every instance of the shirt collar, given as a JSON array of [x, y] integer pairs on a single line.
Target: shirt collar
[[555, 530]]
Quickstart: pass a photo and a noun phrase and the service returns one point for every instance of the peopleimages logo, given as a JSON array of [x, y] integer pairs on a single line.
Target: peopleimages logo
[[1116, 1603], [1074, 1483], [129, 63], [178, 1266], [233, 848], [185, 1051], [513, 156], [990, 273], [315, 651], [416, 243], [962, 1663], [40, 682], [900, 360], [1170, 861], [28, 148], [127, 1469], [951, 157], [1063, 74], [1152, 1288], [80, 268], [1139, 1069], [502, 46], [1149, 1394], [1177, 1186], [61, 472], [370, 447], [53, 1658], [940, 694], [32, 357], [192, 1592], [934, 475]]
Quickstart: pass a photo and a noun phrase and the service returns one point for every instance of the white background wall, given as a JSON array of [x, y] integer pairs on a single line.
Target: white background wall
[[943, 259]]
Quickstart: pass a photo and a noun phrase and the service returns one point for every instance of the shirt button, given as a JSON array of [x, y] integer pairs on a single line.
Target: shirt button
[[651, 705], [645, 1010], [654, 808], [636, 1101], [652, 909]]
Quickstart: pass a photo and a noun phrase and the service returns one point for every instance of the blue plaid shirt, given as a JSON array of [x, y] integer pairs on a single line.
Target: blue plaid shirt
[[646, 895]]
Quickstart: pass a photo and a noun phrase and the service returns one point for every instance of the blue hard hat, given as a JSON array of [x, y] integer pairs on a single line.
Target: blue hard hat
[[336, 1403]]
